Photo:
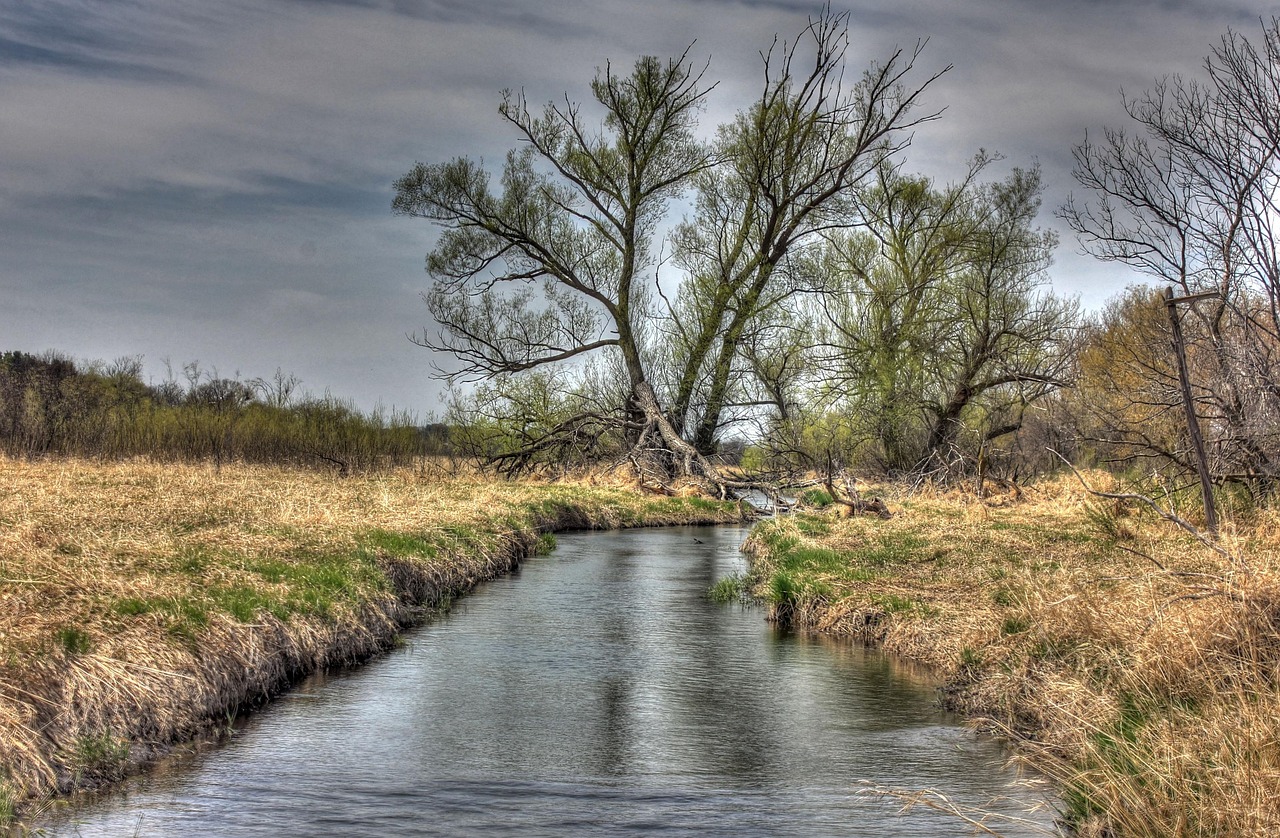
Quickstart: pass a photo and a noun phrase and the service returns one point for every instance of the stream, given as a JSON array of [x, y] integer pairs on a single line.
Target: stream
[[596, 691]]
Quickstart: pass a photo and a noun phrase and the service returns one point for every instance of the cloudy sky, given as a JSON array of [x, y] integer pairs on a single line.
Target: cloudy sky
[[211, 181]]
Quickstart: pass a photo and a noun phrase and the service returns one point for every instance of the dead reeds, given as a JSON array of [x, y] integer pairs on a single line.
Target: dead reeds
[[1138, 669]]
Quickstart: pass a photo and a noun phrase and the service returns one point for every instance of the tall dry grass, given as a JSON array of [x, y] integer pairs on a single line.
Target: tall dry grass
[[1138, 669], [140, 603]]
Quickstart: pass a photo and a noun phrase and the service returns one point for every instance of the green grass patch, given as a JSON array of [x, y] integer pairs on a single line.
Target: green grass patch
[[894, 548], [729, 589], [8, 804], [131, 607], [811, 526], [544, 545], [816, 497], [194, 559], [895, 604], [1014, 625], [398, 544], [784, 589], [815, 560], [74, 640], [552, 509], [101, 753], [706, 505], [245, 603]]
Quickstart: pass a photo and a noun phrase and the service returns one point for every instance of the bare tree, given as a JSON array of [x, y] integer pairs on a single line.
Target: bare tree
[[1190, 199]]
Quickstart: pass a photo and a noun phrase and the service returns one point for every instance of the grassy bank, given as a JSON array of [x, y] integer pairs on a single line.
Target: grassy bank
[[1137, 668], [142, 605]]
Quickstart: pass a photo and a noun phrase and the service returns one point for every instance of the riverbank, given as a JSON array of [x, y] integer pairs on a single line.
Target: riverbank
[[143, 605], [1134, 666]]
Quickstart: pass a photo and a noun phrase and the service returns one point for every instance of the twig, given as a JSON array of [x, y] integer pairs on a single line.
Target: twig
[[939, 802]]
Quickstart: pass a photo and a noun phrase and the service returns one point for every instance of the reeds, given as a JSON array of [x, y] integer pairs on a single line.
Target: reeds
[[141, 604]]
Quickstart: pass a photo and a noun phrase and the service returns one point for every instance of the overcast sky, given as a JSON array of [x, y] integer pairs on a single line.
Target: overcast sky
[[211, 181]]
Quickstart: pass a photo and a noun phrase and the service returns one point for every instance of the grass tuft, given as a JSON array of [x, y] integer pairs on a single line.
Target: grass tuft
[[729, 589], [74, 640]]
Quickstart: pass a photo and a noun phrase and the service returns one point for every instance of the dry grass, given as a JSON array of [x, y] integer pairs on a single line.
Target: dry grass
[[1137, 668], [140, 603]]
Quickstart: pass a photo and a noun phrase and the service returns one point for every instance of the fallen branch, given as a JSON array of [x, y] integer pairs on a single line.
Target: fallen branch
[[1157, 508]]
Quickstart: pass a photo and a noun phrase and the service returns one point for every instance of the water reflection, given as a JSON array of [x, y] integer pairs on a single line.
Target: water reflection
[[597, 692]]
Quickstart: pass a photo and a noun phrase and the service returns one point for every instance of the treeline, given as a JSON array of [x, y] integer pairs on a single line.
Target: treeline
[[50, 404]]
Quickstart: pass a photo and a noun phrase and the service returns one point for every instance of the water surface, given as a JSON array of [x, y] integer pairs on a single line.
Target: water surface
[[594, 692]]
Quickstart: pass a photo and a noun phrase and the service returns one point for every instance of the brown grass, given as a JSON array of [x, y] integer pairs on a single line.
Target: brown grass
[[142, 604], [1138, 669]]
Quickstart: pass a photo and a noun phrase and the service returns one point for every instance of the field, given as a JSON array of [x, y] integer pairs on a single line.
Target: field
[[1136, 667], [144, 605]]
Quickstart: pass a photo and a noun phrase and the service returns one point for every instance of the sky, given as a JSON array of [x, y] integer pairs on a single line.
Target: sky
[[189, 181]]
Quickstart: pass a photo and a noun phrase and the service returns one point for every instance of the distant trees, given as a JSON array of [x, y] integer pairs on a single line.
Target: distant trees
[[51, 405], [1190, 198]]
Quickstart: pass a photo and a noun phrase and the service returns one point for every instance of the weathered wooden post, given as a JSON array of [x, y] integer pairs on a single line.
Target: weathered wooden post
[[1193, 425]]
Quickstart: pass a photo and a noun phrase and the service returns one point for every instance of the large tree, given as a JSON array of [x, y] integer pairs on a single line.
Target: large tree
[[790, 166], [554, 264]]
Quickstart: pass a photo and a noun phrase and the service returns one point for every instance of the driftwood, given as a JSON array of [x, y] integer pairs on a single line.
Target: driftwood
[[851, 501]]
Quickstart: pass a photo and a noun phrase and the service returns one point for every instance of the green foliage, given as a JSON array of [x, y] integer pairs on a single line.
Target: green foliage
[[1117, 748], [895, 604], [1014, 625], [98, 754], [815, 497], [941, 331], [8, 804], [193, 559], [545, 544], [244, 603], [783, 589], [398, 544], [541, 420], [131, 607], [74, 640], [894, 548], [811, 526]]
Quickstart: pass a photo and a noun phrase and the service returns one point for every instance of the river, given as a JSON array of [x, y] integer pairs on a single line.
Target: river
[[596, 691]]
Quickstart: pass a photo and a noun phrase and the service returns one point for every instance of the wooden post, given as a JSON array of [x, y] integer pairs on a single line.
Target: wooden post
[[1193, 425]]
